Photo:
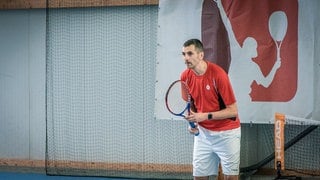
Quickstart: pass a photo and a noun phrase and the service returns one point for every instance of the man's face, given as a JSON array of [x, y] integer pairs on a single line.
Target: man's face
[[191, 56]]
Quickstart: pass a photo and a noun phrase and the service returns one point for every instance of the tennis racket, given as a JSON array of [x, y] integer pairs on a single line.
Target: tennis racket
[[278, 24], [178, 100]]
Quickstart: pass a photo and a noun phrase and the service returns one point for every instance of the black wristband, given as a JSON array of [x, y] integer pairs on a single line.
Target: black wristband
[[209, 116]]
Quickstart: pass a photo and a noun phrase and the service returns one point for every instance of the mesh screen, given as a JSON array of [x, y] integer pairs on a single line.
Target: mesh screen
[[302, 148], [100, 97], [303, 156]]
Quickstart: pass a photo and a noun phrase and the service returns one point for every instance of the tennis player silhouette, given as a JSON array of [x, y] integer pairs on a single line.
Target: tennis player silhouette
[[243, 70]]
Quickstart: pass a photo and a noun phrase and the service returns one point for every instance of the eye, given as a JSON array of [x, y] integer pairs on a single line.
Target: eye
[[189, 53]]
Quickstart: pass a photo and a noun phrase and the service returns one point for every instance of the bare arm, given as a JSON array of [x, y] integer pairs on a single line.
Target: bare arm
[[227, 23], [229, 112], [266, 81]]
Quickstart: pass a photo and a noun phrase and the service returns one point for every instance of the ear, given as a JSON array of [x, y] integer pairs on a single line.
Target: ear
[[201, 54]]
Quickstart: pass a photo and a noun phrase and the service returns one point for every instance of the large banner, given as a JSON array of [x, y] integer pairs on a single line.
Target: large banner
[[268, 47]]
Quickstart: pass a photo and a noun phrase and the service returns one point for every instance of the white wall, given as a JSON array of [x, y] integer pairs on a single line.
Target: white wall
[[22, 84]]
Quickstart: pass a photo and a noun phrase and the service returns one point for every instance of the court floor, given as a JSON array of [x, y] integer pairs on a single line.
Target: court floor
[[41, 176], [36, 176]]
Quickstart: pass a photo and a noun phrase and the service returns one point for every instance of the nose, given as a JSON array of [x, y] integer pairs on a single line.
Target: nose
[[185, 58]]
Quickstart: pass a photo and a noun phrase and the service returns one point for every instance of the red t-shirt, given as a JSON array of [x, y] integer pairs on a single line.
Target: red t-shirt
[[203, 90]]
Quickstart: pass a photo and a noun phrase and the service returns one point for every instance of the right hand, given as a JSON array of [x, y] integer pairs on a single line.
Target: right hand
[[193, 130]]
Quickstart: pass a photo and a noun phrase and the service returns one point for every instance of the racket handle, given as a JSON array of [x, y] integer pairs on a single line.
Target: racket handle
[[191, 123], [194, 126]]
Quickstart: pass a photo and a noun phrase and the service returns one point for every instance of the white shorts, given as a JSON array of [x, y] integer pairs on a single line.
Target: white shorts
[[214, 147]]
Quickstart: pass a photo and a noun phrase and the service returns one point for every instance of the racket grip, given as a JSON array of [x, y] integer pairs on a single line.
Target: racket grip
[[194, 126]]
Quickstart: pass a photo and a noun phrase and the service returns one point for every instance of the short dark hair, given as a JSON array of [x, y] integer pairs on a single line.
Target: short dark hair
[[196, 42]]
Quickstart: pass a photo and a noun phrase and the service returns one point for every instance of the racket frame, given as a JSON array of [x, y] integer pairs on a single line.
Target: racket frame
[[188, 104]]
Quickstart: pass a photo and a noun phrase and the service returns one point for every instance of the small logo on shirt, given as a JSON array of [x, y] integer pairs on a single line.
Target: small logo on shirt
[[208, 87]]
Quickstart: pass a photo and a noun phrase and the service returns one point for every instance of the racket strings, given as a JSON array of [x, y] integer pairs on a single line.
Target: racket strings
[[178, 98]]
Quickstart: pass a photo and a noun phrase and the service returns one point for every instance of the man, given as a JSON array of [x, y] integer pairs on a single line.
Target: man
[[217, 123]]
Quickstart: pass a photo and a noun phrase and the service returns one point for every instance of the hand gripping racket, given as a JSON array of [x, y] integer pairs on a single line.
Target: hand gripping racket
[[178, 100]]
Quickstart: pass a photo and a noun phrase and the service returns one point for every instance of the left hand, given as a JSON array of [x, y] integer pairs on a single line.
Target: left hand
[[196, 117]]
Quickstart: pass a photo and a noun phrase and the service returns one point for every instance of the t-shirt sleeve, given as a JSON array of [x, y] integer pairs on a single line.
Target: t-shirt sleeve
[[183, 76]]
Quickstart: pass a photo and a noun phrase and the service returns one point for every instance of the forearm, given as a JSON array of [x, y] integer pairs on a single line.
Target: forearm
[[230, 111]]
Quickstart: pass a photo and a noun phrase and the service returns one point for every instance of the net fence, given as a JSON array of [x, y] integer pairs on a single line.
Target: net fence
[[100, 97], [302, 145]]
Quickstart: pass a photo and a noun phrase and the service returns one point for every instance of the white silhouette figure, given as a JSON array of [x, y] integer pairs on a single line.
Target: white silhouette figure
[[243, 70]]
